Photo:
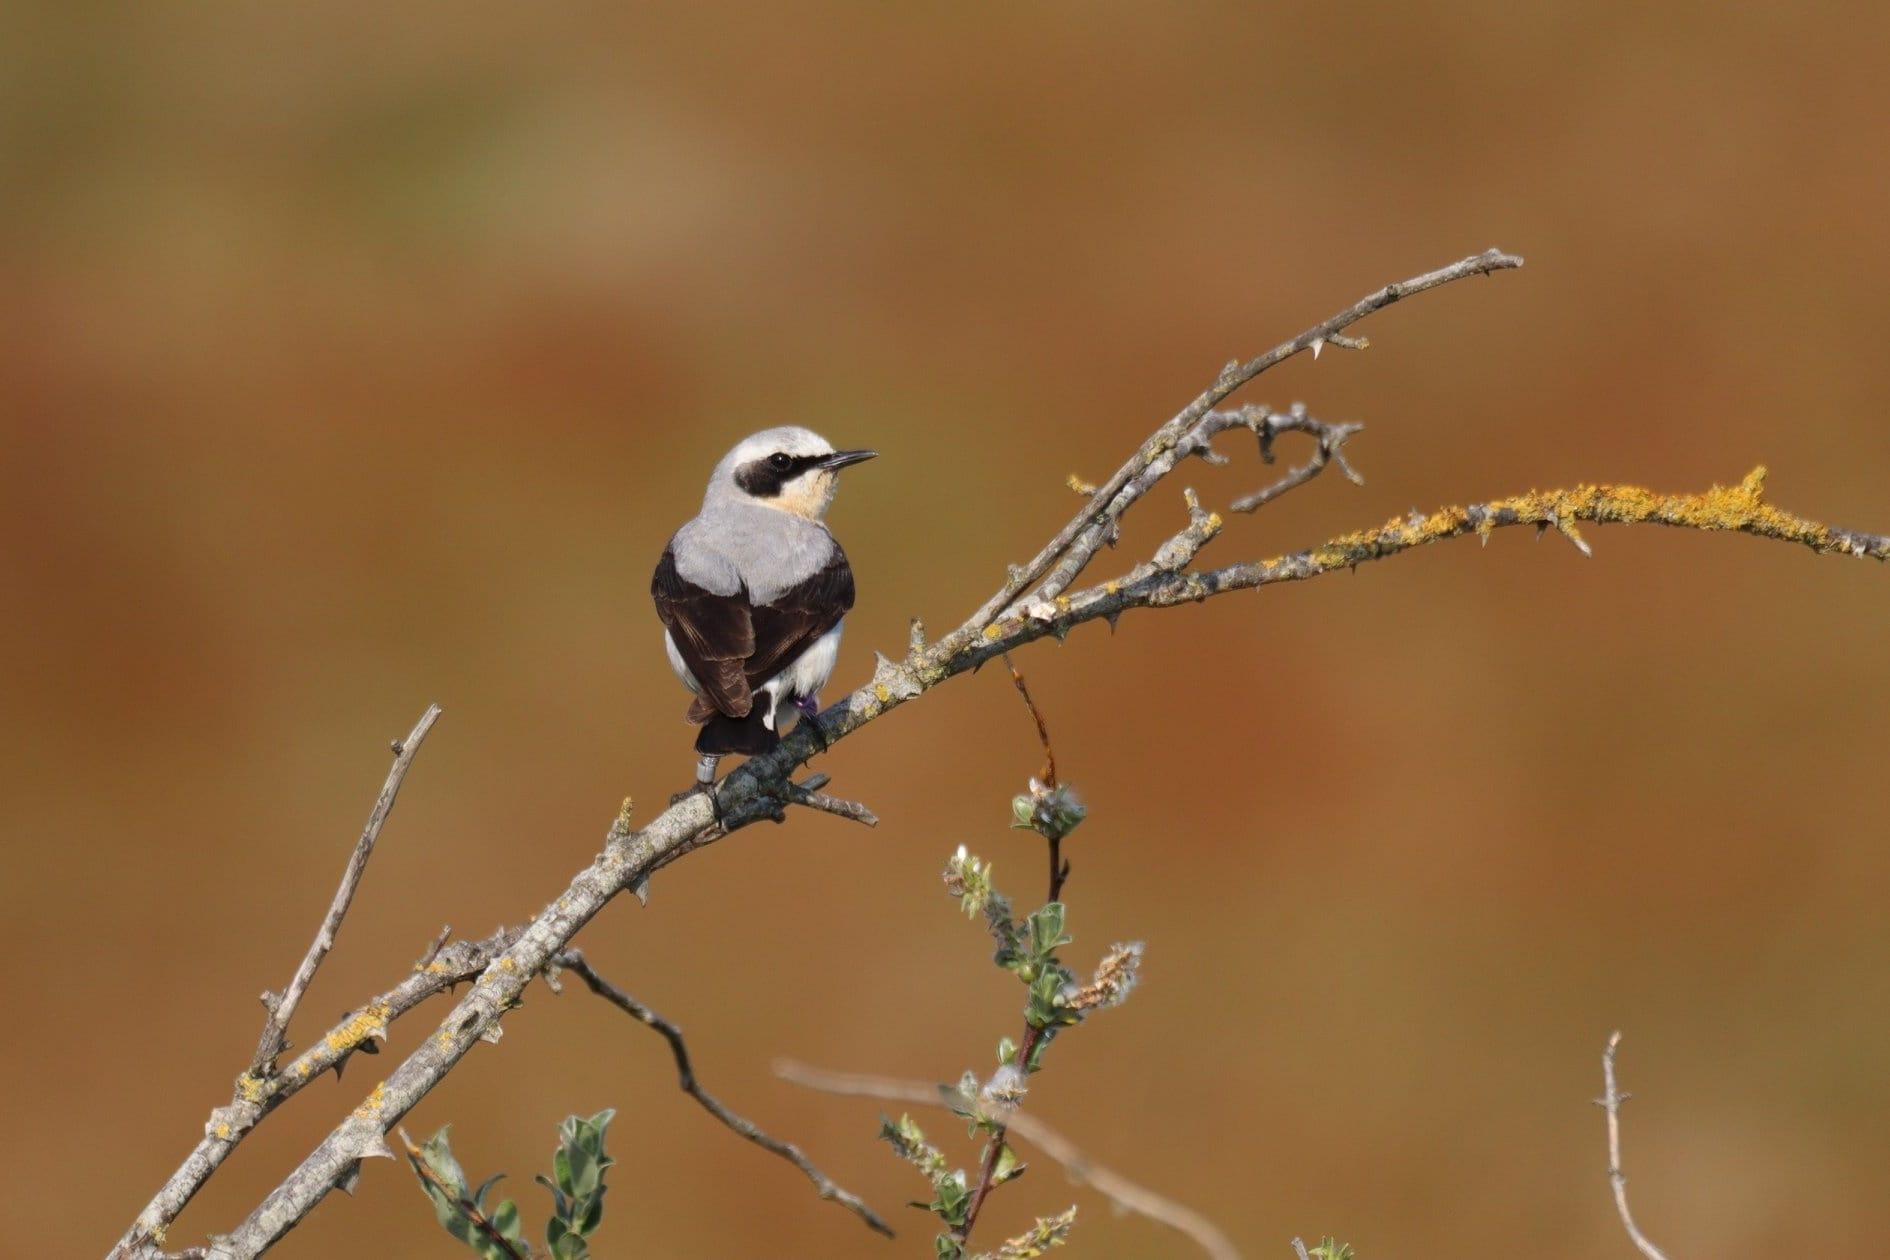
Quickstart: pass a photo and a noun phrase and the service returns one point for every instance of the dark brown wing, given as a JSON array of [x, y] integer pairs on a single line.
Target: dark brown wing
[[714, 634], [788, 626]]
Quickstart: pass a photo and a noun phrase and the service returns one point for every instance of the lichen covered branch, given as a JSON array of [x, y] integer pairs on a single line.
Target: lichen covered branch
[[1741, 508], [438, 970], [574, 961]]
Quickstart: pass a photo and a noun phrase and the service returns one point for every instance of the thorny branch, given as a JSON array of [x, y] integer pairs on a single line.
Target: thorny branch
[[1077, 542], [1610, 1101], [1118, 1189], [1008, 620], [572, 960], [261, 1089], [441, 968]]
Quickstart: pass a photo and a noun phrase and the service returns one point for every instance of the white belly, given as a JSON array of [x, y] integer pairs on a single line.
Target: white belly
[[810, 670], [804, 676]]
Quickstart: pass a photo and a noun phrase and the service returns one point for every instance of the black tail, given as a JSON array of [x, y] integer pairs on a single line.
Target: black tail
[[745, 735]]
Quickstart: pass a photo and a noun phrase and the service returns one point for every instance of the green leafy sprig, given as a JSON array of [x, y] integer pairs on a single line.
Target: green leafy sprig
[[578, 1166]]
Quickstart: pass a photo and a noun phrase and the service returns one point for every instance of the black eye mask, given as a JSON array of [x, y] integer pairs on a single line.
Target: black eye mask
[[764, 478]]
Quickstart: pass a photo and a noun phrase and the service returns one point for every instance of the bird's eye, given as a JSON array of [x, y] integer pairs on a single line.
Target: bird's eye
[[780, 462]]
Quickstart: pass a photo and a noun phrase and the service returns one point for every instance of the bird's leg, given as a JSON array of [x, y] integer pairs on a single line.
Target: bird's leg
[[810, 714], [705, 783]]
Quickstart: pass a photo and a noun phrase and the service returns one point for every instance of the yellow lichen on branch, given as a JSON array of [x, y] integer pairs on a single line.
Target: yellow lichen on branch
[[369, 1021], [372, 1104], [1740, 507], [1167, 580]]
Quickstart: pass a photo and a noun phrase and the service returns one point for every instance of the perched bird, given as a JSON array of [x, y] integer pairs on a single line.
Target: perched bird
[[751, 593]]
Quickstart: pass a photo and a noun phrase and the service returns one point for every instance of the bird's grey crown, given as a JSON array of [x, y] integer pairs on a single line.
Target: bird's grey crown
[[787, 439]]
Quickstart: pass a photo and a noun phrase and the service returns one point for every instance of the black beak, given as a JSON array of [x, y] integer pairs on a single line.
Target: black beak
[[842, 459]]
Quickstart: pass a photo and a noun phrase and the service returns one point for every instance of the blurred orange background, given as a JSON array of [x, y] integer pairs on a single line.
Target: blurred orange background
[[358, 357]]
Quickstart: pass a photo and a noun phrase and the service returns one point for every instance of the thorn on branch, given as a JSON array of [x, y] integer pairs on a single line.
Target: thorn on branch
[[1567, 530]]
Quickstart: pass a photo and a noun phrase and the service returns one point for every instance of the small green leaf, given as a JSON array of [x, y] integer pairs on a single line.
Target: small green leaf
[[594, 1214], [952, 1199], [1007, 1051], [505, 1220], [479, 1195], [1046, 930], [1036, 1051], [437, 1151], [561, 1206]]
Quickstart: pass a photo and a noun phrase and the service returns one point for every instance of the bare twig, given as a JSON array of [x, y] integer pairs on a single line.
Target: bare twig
[[573, 960], [469, 1209], [282, 1009], [809, 796], [1126, 1194], [1610, 1101], [754, 790], [1096, 523], [1267, 424], [1049, 774], [1059, 868]]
